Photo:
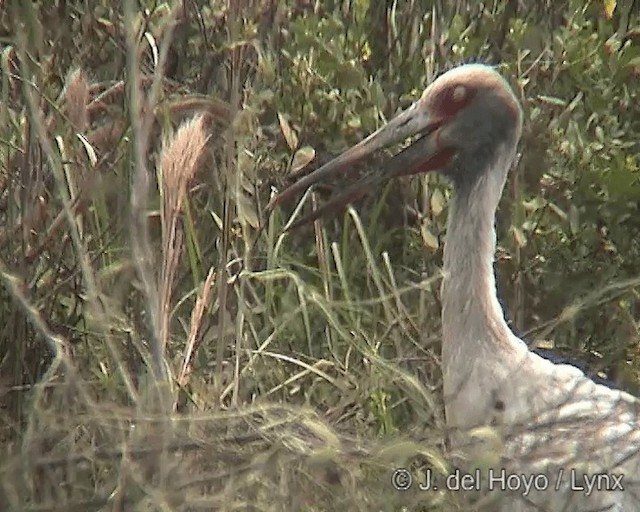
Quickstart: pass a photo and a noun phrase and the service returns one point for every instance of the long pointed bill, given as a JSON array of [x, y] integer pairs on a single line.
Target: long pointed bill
[[430, 152]]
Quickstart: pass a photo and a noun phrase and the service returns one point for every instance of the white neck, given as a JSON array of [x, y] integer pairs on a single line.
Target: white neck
[[470, 304], [476, 339]]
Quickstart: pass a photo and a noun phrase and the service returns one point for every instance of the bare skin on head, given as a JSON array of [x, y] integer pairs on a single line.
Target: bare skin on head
[[468, 123]]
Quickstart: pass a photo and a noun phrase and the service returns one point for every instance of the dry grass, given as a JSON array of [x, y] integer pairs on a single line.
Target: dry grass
[[165, 345], [124, 414]]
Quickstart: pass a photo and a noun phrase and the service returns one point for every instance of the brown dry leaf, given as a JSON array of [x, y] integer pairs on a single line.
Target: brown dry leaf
[[429, 239], [289, 133], [247, 211], [437, 202], [302, 158]]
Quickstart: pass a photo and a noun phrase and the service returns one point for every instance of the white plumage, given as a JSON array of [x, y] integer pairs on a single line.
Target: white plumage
[[549, 423], [556, 422]]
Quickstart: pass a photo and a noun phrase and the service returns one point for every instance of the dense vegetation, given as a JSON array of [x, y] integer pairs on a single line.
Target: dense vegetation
[[164, 347]]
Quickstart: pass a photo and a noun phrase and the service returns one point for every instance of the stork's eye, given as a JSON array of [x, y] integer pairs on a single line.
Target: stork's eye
[[459, 94], [454, 98]]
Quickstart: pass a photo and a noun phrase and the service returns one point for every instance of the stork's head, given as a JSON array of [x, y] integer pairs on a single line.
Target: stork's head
[[466, 120]]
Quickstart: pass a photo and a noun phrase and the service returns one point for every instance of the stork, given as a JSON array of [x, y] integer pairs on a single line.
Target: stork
[[580, 440]]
